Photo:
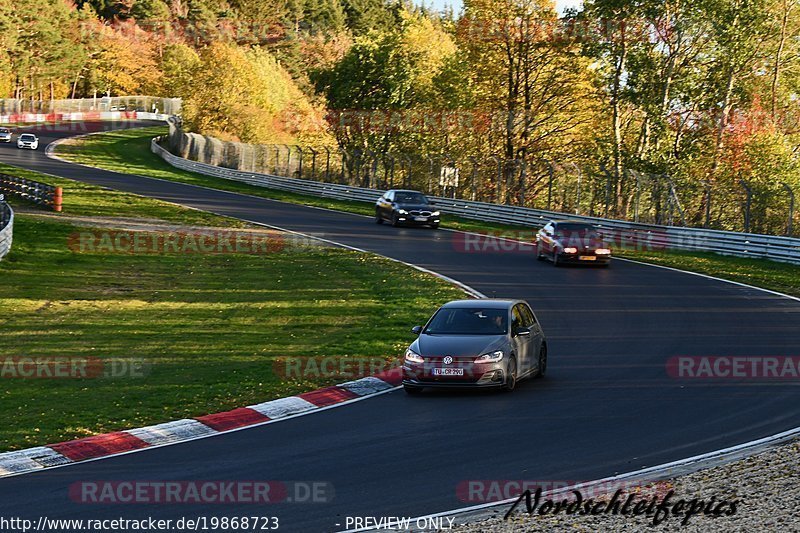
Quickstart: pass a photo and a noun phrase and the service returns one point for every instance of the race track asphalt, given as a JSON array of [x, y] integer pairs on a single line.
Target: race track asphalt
[[606, 406]]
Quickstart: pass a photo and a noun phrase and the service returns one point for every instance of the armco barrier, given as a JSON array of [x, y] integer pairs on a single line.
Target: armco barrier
[[31, 191], [622, 234], [6, 227]]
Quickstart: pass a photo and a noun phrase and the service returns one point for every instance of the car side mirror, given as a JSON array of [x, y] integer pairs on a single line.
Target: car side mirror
[[524, 332], [416, 330]]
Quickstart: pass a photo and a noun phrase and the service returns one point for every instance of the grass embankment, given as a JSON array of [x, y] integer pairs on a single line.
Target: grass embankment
[[129, 151], [208, 327]]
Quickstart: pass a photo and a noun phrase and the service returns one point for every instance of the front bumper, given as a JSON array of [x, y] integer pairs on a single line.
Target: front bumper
[[602, 259], [475, 376], [411, 220]]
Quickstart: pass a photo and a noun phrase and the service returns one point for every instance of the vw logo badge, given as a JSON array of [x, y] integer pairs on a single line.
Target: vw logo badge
[[447, 360]]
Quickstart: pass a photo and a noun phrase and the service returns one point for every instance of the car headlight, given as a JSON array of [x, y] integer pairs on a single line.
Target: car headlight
[[413, 357], [491, 357], [435, 214], [603, 251], [402, 211], [570, 250]]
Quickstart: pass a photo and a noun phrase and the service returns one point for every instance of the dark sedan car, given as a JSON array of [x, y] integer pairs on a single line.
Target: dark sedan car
[[570, 241], [399, 206], [476, 343]]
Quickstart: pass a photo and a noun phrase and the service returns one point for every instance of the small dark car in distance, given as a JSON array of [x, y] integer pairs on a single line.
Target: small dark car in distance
[[400, 206], [571, 241], [476, 344]]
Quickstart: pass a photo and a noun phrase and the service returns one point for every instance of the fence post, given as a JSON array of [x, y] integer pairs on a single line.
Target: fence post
[[429, 190], [578, 190], [638, 197], [357, 153], [288, 159], [405, 158], [371, 170], [327, 164], [313, 163], [391, 171], [474, 179], [343, 159], [791, 209], [499, 177], [300, 162], [607, 196], [748, 201]]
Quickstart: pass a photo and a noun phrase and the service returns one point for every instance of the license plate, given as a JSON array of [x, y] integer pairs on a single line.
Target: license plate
[[587, 258], [448, 371], [420, 219]]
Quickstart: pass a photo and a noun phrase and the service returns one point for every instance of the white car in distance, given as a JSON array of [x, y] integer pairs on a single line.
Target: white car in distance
[[28, 140]]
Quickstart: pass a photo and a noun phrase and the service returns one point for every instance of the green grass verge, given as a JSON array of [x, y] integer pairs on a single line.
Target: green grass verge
[[129, 151], [209, 327], [82, 199]]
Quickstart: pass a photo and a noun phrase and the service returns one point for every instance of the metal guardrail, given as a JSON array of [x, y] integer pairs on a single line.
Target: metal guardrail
[[31, 191], [620, 234], [6, 227]]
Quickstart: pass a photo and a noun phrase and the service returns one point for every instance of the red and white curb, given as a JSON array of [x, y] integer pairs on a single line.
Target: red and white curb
[[120, 442]]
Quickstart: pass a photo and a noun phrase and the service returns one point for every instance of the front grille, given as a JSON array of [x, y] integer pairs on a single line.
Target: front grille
[[421, 213]]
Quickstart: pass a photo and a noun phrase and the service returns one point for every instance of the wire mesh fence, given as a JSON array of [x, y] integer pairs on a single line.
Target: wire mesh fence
[[149, 104], [566, 187]]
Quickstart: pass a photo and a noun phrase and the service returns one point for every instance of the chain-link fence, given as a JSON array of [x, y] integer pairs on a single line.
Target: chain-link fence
[[148, 104], [566, 187]]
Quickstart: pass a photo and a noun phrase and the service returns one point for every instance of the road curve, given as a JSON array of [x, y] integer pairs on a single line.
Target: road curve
[[607, 405]]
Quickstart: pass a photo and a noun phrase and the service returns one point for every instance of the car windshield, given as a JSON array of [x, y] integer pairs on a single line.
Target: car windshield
[[580, 231], [5, 130], [27, 137], [468, 321], [410, 198]]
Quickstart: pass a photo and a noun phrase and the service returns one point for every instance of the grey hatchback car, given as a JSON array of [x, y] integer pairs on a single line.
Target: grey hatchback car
[[476, 343]]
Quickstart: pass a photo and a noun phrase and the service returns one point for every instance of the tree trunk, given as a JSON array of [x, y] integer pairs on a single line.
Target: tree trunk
[[617, 122], [778, 56]]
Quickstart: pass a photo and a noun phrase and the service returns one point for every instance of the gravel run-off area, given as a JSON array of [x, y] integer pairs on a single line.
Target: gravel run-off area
[[765, 487]]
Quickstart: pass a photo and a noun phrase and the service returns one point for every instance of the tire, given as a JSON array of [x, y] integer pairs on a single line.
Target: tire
[[542, 361], [555, 259], [434, 226], [412, 390], [511, 380], [539, 255], [395, 222], [378, 217]]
